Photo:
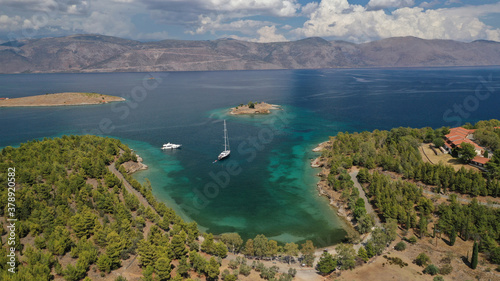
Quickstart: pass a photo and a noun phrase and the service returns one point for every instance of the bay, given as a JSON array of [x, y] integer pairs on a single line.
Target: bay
[[266, 186]]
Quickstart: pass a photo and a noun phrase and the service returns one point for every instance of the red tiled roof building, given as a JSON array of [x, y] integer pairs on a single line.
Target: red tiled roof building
[[460, 135]]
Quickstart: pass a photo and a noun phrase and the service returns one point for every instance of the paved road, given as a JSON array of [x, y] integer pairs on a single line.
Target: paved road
[[368, 206]]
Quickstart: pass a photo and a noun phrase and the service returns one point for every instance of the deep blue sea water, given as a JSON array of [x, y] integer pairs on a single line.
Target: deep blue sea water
[[266, 186]]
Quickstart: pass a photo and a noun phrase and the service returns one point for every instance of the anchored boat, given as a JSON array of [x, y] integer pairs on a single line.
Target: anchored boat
[[226, 151], [171, 146]]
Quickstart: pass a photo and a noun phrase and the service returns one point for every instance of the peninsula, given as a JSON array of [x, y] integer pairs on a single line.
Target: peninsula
[[419, 198], [59, 99], [254, 108]]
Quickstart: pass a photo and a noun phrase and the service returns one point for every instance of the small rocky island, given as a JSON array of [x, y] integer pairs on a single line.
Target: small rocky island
[[59, 99], [254, 108]]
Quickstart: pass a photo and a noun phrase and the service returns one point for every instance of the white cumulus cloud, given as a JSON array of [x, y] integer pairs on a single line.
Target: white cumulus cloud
[[265, 34], [221, 23], [186, 9], [341, 20], [10, 23], [309, 8], [426, 4], [382, 4], [268, 34]]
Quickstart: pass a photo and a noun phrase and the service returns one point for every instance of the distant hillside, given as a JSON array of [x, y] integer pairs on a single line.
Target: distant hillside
[[97, 53]]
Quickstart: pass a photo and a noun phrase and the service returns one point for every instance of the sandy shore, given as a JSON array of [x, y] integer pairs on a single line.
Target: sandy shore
[[260, 108], [60, 99]]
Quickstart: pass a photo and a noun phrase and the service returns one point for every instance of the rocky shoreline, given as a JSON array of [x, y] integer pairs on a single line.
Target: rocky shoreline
[[333, 196], [132, 167]]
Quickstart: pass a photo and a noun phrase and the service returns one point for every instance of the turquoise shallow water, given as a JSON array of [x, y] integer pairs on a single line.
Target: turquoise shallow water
[[266, 186], [271, 191]]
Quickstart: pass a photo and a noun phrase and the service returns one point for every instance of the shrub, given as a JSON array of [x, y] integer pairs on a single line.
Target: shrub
[[40, 242], [446, 269], [227, 276], [438, 278], [245, 269], [401, 246], [495, 255], [431, 269], [422, 259], [395, 260], [412, 240], [233, 264], [438, 142]]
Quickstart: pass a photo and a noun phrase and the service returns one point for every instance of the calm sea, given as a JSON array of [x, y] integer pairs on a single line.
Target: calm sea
[[266, 186]]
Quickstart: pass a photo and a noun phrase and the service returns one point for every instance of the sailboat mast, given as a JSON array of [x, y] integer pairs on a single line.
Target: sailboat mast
[[225, 136], [226, 151]]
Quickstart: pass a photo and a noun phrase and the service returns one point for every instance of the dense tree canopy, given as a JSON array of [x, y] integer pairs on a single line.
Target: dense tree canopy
[[393, 173], [397, 151], [70, 202]]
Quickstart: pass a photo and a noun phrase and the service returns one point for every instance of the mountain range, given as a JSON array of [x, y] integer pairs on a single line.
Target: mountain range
[[98, 53]]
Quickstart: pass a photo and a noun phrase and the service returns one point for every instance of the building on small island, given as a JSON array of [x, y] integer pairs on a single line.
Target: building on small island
[[253, 108], [460, 135]]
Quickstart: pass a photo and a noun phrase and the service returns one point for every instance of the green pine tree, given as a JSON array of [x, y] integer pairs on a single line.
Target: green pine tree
[[370, 251], [212, 269], [147, 254], [453, 237], [249, 249], [104, 263], [475, 256], [147, 273], [178, 245], [198, 262], [114, 249], [221, 249], [59, 242], [307, 249], [208, 244], [183, 267], [363, 254], [326, 264], [163, 268]]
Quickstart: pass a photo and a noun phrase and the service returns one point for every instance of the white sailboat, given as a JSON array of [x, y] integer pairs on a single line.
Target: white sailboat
[[226, 151]]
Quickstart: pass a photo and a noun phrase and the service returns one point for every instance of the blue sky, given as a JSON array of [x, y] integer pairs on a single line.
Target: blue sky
[[254, 20]]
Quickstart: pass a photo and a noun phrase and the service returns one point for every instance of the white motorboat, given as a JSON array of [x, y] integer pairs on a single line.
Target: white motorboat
[[226, 151], [171, 146]]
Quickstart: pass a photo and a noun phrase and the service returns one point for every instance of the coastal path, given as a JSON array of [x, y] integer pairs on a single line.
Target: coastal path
[[426, 190], [368, 206], [129, 187], [463, 200]]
